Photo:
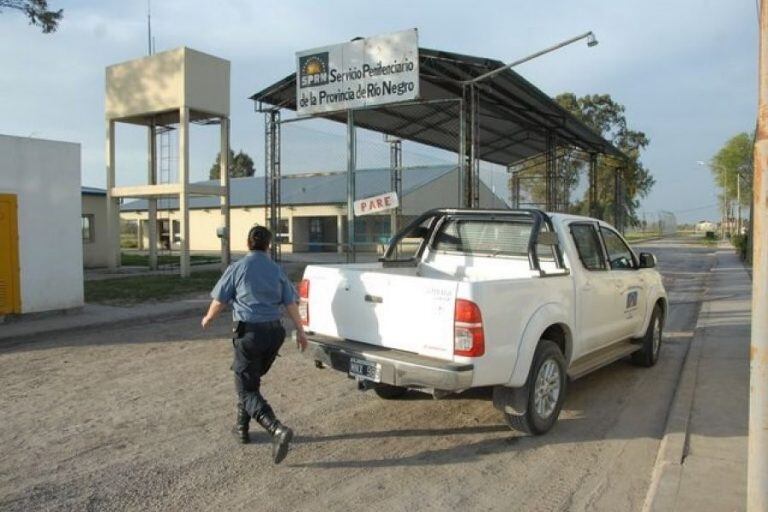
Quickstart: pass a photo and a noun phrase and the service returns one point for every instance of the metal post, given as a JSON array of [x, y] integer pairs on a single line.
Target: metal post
[[593, 184], [351, 164], [550, 170], [469, 146], [757, 461], [272, 179], [463, 171], [475, 148], [396, 180], [515, 187], [224, 199], [152, 200], [617, 199], [563, 174]]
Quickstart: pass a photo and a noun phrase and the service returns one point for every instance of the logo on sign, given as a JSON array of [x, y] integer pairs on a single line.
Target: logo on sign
[[313, 70]]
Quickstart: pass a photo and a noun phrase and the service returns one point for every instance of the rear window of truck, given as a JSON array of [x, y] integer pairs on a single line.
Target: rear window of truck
[[491, 237]]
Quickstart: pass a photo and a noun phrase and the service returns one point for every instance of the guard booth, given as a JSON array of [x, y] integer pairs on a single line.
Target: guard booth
[[474, 107]]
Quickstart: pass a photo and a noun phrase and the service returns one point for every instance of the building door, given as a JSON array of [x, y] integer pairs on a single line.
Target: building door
[[316, 234], [10, 301]]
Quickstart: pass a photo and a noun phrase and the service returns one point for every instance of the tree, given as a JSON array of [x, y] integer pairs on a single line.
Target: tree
[[37, 12], [604, 115], [240, 165], [733, 159]]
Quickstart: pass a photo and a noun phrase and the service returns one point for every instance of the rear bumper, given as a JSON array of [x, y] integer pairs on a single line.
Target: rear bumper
[[398, 368]]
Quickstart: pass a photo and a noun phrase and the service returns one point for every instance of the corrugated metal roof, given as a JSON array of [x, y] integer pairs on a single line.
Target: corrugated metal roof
[[514, 115], [93, 191], [328, 188]]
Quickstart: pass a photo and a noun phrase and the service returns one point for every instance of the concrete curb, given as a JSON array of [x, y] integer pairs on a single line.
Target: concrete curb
[[124, 320], [665, 479], [667, 471]]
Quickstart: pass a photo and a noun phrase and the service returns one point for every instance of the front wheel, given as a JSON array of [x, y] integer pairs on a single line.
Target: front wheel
[[649, 354], [546, 391]]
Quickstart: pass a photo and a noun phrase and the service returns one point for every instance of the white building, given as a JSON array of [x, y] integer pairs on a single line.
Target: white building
[[314, 209], [42, 268]]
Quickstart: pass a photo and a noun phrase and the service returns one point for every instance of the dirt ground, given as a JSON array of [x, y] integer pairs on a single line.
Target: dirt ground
[[138, 419]]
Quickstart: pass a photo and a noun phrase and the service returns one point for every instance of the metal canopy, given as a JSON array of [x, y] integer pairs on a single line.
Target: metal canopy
[[515, 118]]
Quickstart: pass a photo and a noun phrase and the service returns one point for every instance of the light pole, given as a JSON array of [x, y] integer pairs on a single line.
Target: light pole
[[589, 36]]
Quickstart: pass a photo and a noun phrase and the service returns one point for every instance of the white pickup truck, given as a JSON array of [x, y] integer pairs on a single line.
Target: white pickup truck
[[519, 300]]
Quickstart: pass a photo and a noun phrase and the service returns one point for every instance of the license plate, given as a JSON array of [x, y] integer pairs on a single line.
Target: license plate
[[363, 369]]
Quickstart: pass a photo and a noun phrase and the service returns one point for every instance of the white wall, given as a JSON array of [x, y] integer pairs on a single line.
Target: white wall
[[45, 176]]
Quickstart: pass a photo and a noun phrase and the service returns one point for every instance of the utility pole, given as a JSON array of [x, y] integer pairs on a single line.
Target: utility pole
[[738, 203], [757, 472]]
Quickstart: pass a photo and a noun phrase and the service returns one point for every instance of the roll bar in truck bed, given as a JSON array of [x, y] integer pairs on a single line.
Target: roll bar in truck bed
[[538, 218]]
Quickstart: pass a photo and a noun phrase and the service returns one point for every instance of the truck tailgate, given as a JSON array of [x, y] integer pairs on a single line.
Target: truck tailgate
[[403, 312]]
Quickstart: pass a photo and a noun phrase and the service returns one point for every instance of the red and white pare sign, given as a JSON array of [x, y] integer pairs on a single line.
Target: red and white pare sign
[[376, 204]]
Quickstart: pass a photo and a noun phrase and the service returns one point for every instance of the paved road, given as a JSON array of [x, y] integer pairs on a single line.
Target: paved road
[[137, 418]]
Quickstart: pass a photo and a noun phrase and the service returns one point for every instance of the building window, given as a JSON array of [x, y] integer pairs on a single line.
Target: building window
[[87, 229], [283, 233]]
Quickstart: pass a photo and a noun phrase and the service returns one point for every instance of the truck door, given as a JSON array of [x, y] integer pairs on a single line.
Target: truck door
[[631, 283], [596, 292]]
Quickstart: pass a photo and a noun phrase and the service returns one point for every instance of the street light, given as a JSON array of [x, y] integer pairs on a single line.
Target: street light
[[589, 36]]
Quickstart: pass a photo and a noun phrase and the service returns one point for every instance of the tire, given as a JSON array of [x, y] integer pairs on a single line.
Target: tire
[[548, 372], [388, 392], [651, 342]]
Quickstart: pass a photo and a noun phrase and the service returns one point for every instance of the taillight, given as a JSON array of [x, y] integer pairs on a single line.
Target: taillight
[[304, 301], [468, 337]]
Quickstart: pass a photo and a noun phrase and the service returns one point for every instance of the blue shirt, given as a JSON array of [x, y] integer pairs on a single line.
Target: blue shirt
[[256, 287]]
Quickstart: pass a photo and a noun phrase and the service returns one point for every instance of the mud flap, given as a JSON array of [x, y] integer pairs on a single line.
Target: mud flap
[[511, 400]]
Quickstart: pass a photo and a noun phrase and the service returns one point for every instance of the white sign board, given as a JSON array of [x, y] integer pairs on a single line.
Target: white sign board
[[362, 73], [376, 204]]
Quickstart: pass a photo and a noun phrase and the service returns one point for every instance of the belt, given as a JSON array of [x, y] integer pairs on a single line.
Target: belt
[[262, 325]]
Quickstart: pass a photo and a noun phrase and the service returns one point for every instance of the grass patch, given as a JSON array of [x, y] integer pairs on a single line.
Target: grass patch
[[631, 237], [135, 290], [142, 260]]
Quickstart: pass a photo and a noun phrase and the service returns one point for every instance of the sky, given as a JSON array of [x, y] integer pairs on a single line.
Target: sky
[[686, 72]]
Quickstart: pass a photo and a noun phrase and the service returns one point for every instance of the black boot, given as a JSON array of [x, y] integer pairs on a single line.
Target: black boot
[[240, 429], [281, 435]]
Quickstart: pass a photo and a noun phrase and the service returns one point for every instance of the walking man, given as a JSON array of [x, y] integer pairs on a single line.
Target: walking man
[[257, 289]]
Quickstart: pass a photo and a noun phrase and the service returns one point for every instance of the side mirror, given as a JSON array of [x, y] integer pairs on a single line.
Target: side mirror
[[647, 260]]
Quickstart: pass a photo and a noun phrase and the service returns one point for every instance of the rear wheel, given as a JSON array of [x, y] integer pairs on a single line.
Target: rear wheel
[[546, 391], [649, 354], [389, 392]]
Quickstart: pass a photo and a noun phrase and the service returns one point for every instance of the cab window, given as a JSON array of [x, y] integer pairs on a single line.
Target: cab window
[[588, 246], [619, 254]]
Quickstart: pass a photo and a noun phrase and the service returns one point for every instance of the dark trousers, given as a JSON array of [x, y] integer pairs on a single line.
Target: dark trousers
[[255, 351]]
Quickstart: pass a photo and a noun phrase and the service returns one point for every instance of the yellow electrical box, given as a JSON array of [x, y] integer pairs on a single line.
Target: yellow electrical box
[[10, 294]]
